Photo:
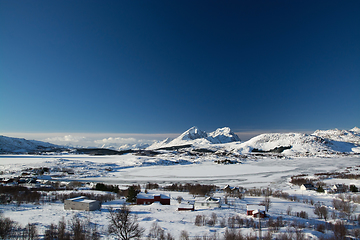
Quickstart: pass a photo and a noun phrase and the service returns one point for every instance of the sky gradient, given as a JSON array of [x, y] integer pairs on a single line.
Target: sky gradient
[[155, 67]]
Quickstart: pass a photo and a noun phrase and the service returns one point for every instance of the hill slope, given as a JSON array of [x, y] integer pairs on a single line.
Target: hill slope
[[20, 145], [330, 141], [351, 136]]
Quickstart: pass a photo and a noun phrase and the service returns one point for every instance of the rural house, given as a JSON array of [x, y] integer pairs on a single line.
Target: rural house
[[255, 210], [186, 207], [208, 202], [338, 188], [82, 203], [307, 186], [144, 199]]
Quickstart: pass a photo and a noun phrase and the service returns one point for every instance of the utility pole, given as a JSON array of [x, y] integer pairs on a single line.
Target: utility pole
[[259, 224]]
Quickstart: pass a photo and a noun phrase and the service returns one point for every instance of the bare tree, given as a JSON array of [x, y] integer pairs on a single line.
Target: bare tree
[[156, 231], [63, 234], [288, 210], [339, 230], [321, 211], [184, 235], [266, 202], [179, 199], [6, 227], [51, 232], [30, 232], [124, 226], [78, 228]]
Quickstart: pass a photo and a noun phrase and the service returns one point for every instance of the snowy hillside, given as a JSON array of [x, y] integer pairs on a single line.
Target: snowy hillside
[[195, 136], [351, 136], [300, 143], [20, 145]]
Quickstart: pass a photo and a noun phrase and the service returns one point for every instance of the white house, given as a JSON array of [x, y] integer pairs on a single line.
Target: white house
[[307, 187], [207, 202], [82, 203]]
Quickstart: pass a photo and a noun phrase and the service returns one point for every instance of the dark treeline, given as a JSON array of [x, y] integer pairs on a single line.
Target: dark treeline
[[194, 189], [18, 194]]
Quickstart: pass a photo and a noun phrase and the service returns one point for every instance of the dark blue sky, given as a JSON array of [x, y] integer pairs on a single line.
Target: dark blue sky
[[164, 66]]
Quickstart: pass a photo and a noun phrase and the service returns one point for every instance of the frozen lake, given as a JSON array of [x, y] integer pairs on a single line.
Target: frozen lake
[[128, 169]]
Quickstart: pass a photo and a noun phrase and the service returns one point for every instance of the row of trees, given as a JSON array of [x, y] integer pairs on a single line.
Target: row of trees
[[10, 229], [194, 189], [122, 225]]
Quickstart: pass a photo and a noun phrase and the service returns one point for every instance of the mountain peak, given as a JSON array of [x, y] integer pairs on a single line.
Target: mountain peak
[[355, 129], [223, 135], [192, 134], [198, 137]]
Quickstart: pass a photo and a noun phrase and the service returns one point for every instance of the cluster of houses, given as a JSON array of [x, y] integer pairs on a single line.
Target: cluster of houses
[[83, 203], [336, 188], [30, 182]]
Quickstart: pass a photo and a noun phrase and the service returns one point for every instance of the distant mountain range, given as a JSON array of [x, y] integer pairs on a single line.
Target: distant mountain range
[[21, 145], [332, 141], [329, 141]]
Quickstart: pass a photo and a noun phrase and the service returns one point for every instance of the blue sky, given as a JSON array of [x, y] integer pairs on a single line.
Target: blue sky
[[161, 67]]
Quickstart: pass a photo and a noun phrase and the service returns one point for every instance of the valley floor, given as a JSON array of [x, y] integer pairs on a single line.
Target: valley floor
[[129, 169]]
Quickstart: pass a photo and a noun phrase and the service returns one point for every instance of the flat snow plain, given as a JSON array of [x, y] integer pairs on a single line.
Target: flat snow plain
[[130, 169]]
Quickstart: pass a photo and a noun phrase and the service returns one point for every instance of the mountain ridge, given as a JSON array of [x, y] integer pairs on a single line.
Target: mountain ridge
[[332, 141], [195, 136]]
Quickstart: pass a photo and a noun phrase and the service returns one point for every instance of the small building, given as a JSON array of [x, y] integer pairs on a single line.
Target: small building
[[255, 210], [339, 188], [230, 190], [186, 207], [82, 203], [307, 186], [207, 202], [145, 199]]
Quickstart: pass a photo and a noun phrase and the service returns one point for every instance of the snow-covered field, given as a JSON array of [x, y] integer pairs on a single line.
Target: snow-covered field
[[164, 169], [128, 169]]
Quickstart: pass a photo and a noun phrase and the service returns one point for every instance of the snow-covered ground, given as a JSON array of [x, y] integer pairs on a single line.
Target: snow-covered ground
[[129, 168], [164, 169]]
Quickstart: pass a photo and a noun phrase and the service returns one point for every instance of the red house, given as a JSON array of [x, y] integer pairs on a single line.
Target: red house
[[255, 210], [186, 207], [145, 199]]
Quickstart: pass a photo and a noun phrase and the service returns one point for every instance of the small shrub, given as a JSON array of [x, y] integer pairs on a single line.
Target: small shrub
[[320, 228], [184, 235], [199, 220], [303, 214]]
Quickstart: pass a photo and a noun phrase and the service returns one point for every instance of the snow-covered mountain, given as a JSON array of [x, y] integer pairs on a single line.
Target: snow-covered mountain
[[330, 141], [351, 136], [320, 142], [195, 136], [223, 135], [299, 142], [159, 144], [20, 145]]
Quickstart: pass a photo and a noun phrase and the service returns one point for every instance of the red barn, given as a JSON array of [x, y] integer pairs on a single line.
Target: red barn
[[144, 199]]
